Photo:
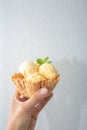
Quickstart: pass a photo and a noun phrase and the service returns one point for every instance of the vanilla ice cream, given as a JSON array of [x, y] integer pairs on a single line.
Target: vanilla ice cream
[[48, 71], [28, 68], [31, 70]]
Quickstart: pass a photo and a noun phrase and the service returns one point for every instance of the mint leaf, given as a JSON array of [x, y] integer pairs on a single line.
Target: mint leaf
[[46, 59], [40, 61]]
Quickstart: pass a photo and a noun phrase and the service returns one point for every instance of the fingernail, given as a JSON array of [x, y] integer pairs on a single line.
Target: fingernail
[[44, 91]]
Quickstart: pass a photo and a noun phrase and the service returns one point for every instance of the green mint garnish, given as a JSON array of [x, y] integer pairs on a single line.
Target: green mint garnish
[[46, 59], [42, 61], [39, 61]]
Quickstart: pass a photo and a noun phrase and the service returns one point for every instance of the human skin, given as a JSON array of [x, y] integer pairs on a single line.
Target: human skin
[[24, 112]]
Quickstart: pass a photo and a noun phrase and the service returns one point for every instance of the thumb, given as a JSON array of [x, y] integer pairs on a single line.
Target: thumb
[[36, 98]]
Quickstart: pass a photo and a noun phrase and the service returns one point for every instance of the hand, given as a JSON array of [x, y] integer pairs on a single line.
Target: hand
[[24, 112]]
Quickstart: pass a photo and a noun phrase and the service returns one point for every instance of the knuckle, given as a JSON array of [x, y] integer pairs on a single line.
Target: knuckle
[[38, 96]]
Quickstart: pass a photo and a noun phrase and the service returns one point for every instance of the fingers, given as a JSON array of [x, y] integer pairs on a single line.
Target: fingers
[[41, 105], [36, 98], [17, 94], [19, 97], [37, 109], [40, 97]]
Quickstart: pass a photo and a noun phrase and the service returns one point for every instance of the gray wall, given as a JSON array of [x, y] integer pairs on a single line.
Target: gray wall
[[54, 28]]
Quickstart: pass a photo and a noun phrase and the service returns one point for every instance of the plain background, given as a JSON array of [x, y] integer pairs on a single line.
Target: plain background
[[54, 28]]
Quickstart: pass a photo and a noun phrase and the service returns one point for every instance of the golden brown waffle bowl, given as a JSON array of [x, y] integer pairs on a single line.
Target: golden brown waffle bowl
[[27, 88]]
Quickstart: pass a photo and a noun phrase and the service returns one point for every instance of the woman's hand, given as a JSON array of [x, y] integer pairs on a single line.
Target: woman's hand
[[24, 112]]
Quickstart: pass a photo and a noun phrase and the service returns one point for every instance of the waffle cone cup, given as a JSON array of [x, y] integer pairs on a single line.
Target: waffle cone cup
[[27, 87]]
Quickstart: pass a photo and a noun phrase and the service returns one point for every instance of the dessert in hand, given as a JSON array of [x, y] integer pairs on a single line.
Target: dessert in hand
[[32, 76]]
